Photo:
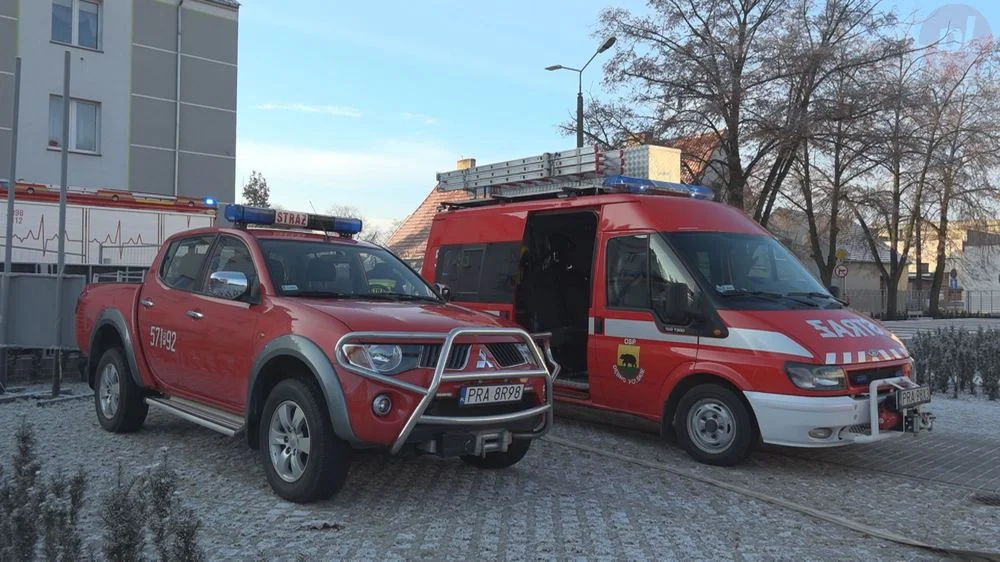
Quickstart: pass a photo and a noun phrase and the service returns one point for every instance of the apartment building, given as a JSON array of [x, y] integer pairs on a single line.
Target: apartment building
[[153, 94]]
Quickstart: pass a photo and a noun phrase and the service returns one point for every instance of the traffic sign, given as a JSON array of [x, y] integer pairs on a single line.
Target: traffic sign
[[840, 271], [841, 254]]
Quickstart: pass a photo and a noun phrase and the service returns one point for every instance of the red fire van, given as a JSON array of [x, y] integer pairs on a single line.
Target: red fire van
[[668, 306]]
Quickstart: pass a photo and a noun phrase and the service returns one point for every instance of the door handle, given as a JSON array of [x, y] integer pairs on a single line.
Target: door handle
[[146, 302], [195, 314]]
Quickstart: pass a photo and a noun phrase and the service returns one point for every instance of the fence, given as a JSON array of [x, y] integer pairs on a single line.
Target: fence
[[917, 303], [138, 255]]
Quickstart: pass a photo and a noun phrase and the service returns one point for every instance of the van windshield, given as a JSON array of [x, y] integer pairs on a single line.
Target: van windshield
[[307, 268], [750, 271]]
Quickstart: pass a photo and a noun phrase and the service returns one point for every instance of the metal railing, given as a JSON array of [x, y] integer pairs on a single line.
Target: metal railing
[[119, 277], [910, 303], [140, 255], [429, 393]]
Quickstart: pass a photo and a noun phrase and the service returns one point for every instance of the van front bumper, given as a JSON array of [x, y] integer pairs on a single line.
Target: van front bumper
[[820, 421]]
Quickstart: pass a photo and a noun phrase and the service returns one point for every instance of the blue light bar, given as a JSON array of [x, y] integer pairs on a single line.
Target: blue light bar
[[249, 215], [626, 184], [209, 201], [242, 214]]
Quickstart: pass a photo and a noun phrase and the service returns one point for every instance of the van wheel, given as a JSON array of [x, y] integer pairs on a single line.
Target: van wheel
[[121, 407], [714, 426], [302, 457], [514, 453]]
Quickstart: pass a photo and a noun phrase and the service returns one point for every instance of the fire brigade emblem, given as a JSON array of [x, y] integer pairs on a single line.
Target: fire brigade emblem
[[627, 367]]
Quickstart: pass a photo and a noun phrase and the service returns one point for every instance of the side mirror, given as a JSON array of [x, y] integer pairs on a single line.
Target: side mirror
[[677, 309], [229, 285], [443, 291]]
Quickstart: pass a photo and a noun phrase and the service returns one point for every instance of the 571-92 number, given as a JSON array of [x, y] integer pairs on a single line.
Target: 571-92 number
[[162, 339]]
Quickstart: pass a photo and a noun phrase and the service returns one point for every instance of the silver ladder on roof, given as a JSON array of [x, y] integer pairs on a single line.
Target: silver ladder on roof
[[554, 172]]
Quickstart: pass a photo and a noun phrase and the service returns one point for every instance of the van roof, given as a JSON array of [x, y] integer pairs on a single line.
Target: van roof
[[626, 212]]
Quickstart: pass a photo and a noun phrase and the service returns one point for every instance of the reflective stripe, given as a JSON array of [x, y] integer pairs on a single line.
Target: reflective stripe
[[493, 312], [896, 354], [758, 340], [885, 354], [643, 330], [831, 358], [848, 358], [590, 325], [862, 357]]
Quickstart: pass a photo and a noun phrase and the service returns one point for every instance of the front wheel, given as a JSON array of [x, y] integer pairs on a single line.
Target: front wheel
[[514, 453], [302, 457], [121, 407], [714, 426]]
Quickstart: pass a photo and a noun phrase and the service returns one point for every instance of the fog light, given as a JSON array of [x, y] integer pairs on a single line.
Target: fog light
[[381, 405], [820, 432]]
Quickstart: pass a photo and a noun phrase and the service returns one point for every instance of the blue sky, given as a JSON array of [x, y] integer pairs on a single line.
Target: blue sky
[[362, 103]]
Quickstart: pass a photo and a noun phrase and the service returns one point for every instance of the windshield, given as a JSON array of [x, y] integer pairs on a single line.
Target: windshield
[[747, 269], [321, 269]]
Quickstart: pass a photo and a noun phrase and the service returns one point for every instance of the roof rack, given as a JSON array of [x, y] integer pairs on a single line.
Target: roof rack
[[646, 169]]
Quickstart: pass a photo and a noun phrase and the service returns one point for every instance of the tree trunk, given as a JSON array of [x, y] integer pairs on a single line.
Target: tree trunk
[[939, 267], [892, 294]]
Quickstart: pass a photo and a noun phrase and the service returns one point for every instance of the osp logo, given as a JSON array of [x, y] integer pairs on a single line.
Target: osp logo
[[954, 26], [484, 361]]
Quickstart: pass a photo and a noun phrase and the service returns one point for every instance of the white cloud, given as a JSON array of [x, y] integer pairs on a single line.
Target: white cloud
[[385, 181], [425, 119], [334, 110]]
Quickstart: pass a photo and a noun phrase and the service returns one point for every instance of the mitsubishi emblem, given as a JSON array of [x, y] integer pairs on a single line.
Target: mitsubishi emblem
[[484, 361]]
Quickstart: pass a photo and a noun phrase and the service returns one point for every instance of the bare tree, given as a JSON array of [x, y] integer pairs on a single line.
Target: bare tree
[[369, 233], [968, 151], [255, 191]]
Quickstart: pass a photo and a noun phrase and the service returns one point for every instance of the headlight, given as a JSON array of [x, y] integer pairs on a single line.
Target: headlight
[[381, 358], [817, 377], [525, 352]]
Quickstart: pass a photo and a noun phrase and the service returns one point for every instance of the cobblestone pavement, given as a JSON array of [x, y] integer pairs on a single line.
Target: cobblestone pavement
[[558, 503]]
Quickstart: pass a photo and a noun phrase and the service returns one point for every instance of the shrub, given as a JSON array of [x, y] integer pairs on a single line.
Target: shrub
[[958, 361], [33, 509]]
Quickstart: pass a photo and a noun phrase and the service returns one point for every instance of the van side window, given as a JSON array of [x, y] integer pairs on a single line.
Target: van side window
[[628, 272], [479, 272]]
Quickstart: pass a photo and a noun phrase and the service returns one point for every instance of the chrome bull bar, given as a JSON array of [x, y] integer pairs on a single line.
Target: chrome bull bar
[[428, 394]]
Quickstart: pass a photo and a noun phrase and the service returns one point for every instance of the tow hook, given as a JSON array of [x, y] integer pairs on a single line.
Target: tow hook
[[919, 421]]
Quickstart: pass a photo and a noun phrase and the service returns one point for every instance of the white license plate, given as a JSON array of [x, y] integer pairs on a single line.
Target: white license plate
[[494, 394], [910, 397]]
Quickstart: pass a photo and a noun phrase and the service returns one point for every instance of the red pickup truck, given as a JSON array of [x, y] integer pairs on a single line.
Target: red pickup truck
[[281, 327]]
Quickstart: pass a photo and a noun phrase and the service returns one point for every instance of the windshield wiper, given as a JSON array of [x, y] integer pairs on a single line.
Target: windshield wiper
[[815, 294], [322, 295], [770, 295], [400, 297]]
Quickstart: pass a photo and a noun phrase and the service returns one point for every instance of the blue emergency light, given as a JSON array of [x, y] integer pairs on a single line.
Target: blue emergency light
[[244, 215], [626, 184]]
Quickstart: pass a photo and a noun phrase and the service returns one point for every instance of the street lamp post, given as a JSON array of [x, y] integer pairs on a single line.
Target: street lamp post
[[579, 91]]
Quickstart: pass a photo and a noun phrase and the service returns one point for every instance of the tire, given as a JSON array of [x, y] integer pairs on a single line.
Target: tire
[[712, 406], [307, 476], [492, 461], [120, 404]]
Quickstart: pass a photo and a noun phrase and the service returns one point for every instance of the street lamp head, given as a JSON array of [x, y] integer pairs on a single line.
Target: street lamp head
[[607, 44], [554, 67]]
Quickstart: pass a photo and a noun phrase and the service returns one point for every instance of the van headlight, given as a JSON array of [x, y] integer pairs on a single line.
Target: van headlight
[[816, 377], [385, 359]]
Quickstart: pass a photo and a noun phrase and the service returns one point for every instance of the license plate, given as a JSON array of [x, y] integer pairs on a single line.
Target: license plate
[[910, 397], [494, 394]]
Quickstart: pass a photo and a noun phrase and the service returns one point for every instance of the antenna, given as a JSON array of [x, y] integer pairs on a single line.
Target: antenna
[[326, 235]]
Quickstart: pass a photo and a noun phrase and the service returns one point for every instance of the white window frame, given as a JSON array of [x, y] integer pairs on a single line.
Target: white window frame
[[75, 25], [73, 104]]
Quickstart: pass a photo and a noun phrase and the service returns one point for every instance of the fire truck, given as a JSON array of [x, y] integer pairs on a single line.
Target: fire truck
[[107, 231], [669, 307]]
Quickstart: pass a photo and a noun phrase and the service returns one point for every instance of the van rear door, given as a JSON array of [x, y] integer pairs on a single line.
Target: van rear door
[[635, 345]]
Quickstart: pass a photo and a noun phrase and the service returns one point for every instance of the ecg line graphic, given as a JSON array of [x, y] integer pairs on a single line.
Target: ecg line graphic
[[39, 234]]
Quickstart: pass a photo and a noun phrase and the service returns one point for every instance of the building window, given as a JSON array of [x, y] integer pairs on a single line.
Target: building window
[[77, 22], [84, 124]]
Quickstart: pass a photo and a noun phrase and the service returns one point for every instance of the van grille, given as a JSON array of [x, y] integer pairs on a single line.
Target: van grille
[[506, 354], [456, 360], [864, 377]]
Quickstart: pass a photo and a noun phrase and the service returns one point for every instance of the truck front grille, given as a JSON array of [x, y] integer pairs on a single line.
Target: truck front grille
[[864, 377], [506, 354], [456, 360]]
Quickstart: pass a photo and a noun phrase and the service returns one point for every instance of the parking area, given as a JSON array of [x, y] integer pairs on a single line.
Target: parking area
[[587, 491]]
